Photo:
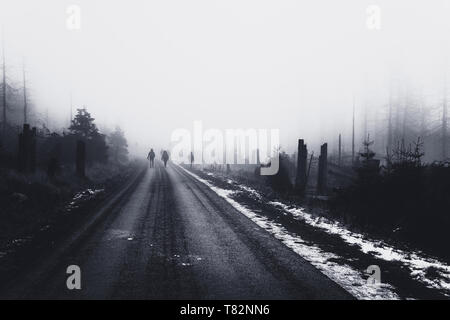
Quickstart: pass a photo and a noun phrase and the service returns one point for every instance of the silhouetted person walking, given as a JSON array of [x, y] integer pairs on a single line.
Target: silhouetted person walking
[[192, 158], [151, 158], [165, 157]]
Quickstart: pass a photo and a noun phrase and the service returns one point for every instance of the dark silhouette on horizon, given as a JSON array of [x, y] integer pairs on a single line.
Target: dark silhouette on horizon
[[151, 158], [165, 157]]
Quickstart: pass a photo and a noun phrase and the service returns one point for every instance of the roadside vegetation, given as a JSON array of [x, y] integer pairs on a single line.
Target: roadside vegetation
[[34, 200], [404, 200]]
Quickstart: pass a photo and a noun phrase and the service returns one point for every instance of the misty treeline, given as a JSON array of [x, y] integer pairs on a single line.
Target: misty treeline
[[407, 113], [55, 150], [39, 172], [395, 181], [396, 194], [406, 198], [407, 194]]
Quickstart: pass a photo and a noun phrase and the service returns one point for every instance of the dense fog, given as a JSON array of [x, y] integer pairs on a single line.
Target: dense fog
[[298, 66]]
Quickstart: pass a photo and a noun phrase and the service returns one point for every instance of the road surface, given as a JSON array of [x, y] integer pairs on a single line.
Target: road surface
[[174, 238]]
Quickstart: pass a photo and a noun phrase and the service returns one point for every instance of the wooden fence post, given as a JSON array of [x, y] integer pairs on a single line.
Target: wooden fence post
[[323, 168], [27, 150], [21, 161], [300, 179], [340, 151], [32, 151], [80, 159]]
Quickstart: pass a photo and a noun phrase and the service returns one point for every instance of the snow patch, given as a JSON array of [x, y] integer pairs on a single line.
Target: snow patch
[[417, 263]]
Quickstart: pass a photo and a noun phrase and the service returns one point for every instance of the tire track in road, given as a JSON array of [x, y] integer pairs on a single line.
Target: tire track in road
[[168, 271]]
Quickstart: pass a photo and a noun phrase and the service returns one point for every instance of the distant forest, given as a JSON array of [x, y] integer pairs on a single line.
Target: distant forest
[[406, 115], [24, 130]]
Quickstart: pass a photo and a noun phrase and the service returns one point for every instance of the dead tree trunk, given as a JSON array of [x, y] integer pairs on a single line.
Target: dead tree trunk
[[80, 159], [53, 167], [4, 85], [21, 161], [444, 129], [340, 151], [353, 135], [27, 150], [389, 133], [323, 168], [25, 102], [32, 151], [300, 179], [309, 169]]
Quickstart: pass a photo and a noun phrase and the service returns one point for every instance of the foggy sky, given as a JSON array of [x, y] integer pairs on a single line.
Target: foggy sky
[[154, 66]]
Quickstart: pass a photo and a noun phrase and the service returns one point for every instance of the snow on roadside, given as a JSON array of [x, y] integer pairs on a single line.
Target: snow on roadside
[[83, 197], [349, 278], [417, 263]]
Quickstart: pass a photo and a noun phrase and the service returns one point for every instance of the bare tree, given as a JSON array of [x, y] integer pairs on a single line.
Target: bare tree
[[353, 133], [25, 104], [4, 83], [444, 122]]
